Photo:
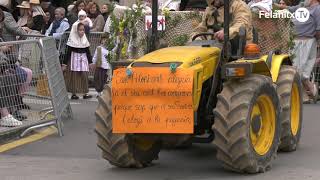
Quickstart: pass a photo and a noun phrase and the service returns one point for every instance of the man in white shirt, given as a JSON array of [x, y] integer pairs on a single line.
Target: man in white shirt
[[59, 25]]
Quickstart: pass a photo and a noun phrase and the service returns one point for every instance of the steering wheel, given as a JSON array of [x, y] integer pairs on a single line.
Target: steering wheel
[[203, 35]]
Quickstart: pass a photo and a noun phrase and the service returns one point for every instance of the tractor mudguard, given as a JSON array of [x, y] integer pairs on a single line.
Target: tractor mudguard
[[243, 67], [277, 62]]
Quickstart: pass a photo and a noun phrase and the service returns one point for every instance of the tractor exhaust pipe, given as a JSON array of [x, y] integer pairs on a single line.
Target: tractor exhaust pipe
[[154, 35], [226, 46]]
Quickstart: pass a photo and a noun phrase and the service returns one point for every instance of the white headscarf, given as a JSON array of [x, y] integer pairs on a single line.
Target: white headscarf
[[75, 40]]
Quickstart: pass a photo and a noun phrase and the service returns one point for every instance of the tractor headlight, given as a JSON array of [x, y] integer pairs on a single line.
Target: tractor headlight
[[237, 69], [240, 71]]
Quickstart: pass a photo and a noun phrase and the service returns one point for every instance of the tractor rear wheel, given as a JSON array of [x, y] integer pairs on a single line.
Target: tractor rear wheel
[[122, 150], [247, 126], [290, 93]]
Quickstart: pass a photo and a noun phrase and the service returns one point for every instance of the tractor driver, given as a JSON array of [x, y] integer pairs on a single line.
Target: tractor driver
[[212, 20]]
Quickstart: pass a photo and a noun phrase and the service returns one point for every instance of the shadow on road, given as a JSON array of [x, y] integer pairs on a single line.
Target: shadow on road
[[197, 162]]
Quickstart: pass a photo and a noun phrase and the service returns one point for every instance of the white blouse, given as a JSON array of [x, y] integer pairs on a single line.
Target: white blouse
[[105, 64]]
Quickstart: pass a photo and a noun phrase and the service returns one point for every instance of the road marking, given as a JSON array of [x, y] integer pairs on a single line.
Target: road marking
[[35, 137]]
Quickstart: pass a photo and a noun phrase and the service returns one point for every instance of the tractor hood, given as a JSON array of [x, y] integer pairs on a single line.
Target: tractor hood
[[184, 56]]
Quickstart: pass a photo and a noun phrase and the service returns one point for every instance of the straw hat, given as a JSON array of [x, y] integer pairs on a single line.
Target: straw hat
[[70, 7], [34, 1], [24, 5]]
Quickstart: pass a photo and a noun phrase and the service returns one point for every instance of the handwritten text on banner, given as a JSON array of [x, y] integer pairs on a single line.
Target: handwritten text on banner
[[152, 100]]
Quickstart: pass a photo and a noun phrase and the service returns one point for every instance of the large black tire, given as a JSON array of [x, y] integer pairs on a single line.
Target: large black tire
[[288, 76], [233, 122], [121, 149]]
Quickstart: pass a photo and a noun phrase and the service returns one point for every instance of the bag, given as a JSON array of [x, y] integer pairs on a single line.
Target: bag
[[99, 57], [43, 86]]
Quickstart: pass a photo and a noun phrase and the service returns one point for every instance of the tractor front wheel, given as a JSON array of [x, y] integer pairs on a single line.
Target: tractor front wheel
[[247, 125], [122, 150]]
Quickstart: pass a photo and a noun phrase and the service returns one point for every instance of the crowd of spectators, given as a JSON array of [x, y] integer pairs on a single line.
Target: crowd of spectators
[[42, 16]]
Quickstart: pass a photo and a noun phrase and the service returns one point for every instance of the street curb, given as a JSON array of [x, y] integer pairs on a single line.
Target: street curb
[[36, 136], [10, 136], [15, 132]]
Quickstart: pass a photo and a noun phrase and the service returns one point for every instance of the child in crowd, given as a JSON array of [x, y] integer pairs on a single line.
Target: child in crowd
[[82, 15], [102, 65], [77, 60]]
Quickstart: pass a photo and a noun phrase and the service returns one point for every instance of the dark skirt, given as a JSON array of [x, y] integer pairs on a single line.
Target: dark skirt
[[76, 82], [100, 78]]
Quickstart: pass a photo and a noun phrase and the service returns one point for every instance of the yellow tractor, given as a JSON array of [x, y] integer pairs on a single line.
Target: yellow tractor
[[249, 105]]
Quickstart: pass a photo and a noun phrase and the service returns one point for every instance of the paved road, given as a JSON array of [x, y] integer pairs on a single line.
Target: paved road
[[75, 156]]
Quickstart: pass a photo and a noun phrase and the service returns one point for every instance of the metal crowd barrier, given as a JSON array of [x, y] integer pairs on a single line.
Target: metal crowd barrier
[[32, 84]]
